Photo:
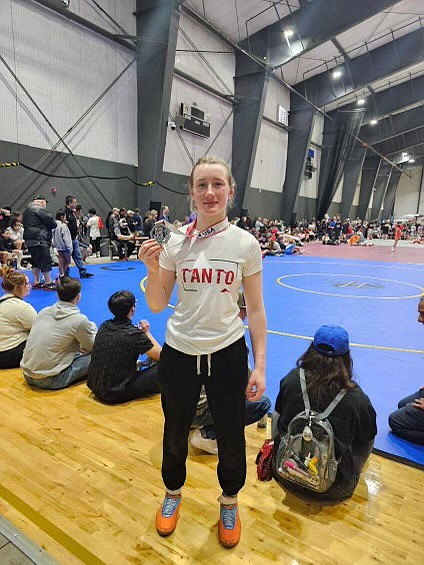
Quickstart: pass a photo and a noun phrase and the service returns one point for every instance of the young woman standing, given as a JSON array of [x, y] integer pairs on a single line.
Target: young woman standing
[[205, 342]]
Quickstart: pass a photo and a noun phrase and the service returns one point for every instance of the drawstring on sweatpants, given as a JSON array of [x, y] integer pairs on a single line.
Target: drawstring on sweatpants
[[209, 359]]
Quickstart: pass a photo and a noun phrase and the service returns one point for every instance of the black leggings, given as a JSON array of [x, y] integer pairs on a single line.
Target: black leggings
[[95, 244], [225, 390], [11, 358]]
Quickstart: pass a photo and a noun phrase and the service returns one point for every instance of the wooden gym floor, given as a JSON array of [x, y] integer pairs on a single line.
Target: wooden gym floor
[[83, 481]]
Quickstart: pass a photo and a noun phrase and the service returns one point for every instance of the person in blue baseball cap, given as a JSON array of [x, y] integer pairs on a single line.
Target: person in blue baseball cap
[[331, 341], [327, 367]]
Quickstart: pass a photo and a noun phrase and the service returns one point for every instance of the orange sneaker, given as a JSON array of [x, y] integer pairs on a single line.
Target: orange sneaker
[[167, 515], [229, 526]]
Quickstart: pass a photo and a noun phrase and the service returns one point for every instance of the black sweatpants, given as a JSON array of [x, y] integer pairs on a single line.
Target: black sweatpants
[[225, 390]]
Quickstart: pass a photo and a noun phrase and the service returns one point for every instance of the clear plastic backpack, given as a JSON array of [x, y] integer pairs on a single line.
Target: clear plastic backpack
[[306, 452]]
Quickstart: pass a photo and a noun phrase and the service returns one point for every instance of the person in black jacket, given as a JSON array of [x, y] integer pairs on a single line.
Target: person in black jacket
[[70, 207], [113, 375], [38, 226], [328, 368]]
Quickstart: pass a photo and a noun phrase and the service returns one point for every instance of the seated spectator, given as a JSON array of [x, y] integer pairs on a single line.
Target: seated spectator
[[328, 369], [408, 421], [327, 240], [291, 245], [5, 217], [242, 223], [204, 437], [124, 240], [113, 375], [270, 247], [8, 252], [57, 352], [359, 239], [16, 317], [16, 231]]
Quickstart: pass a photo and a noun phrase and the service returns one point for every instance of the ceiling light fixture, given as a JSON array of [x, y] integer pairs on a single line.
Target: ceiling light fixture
[[373, 122], [361, 101], [288, 33], [336, 74], [411, 160]]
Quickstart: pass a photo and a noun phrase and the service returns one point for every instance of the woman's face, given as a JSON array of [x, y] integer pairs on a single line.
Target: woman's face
[[211, 191], [24, 290]]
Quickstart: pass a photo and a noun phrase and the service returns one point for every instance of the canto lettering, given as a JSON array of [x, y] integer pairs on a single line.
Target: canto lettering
[[208, 275]]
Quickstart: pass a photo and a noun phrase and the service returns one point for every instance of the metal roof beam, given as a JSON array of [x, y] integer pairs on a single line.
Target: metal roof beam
[[62, 11], [372, 66], [401, 142], [393, 126], [314, 24], [392, 100]]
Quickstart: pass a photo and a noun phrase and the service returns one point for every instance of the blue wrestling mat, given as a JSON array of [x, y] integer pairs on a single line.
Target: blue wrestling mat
[[376, 302]]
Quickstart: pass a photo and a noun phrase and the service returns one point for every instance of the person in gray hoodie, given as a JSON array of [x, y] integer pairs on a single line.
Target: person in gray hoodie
[[58, 349], [62, 240]]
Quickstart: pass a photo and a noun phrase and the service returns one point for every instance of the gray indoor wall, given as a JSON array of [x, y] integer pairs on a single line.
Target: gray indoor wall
[[334, 209], [263, 203], [18, 185], [175, 195], [354, 212], [306, 208]]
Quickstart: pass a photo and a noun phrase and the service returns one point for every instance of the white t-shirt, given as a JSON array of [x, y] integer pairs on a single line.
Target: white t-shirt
[[93, 224], [209, 273], [16, 319]]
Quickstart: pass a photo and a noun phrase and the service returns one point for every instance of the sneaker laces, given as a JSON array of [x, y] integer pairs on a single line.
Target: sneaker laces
[[228, 515], [169, 505]]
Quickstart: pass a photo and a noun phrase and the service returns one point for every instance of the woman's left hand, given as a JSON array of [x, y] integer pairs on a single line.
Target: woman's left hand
[[256, 385]]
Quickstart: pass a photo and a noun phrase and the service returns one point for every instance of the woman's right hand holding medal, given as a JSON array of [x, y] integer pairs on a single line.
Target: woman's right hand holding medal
[[149, 254]]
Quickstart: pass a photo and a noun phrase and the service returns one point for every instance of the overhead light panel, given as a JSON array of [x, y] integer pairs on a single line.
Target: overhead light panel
[[336, 74], [411, 160], [361, 101], [373, 122], [288, 33]]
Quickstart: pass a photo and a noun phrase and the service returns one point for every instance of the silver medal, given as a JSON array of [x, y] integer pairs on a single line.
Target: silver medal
[[160, 233]]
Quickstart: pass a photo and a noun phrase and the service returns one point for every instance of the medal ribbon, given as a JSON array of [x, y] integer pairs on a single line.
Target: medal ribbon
[[209, 231]]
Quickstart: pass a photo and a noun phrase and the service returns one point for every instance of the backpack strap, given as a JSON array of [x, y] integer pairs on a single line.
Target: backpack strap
[[332, 405], [304, 391], [329, 408]]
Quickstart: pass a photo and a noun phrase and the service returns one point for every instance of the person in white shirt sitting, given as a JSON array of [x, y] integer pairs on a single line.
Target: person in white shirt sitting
[[16, 317]]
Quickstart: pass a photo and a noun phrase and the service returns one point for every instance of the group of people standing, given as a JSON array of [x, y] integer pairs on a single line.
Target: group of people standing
[[40, 228]]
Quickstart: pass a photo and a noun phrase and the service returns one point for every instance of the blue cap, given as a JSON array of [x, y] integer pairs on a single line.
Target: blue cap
[[331, 341]]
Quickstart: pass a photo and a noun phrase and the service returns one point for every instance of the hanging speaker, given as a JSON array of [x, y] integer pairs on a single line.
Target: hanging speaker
[[154, 205]]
